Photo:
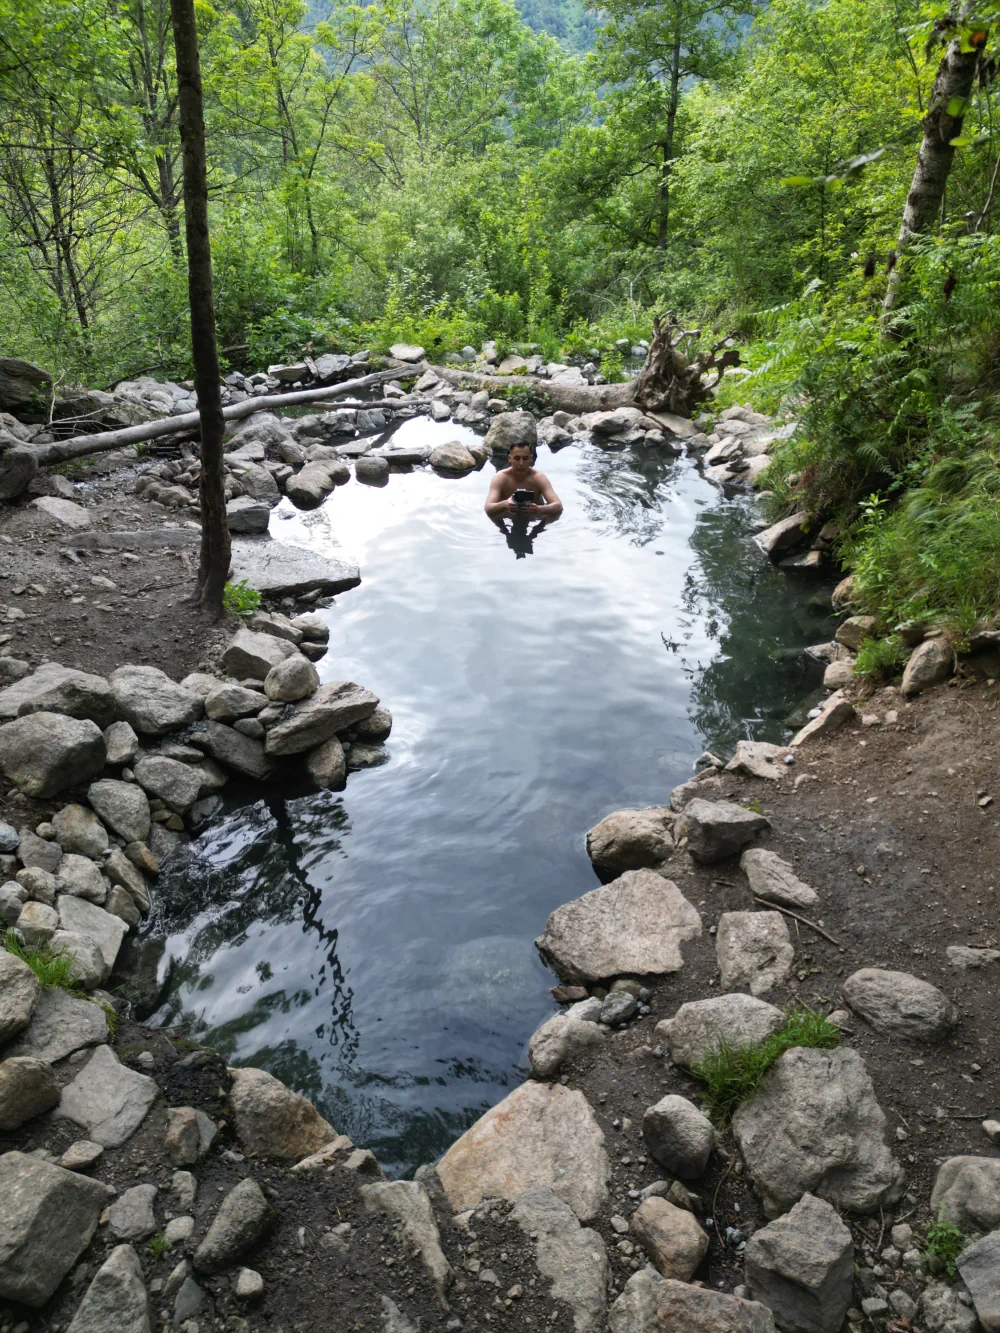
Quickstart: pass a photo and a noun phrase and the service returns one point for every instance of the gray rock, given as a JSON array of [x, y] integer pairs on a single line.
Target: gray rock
[[78, 830], [12, 898], [801, 1267], [759, 759], [187, 1302], [174, 782], [408, 352], [58, 689], [785, 535], [375, 728], [249, 1285], [334, 707], [967, 1193], [79, 877], [312, 627], [687, 1309], [28, 1088], [184, 1190], [120, 870], [814, 1126], [116, 1300], [190, 1134], [9, 838], [123, 806], [633, 926], [34, 882], [941, 1311], [979, 1268], [131, 1216], [37, 923], [930, 663], [454, 456], [540, 1134], [254, 655], [81, 1155], [510, 428], [571, 1257], [310, 487], [394, 1319], [835, 712], [108, 1100], [635, 1309], [702, 1025], [80, 917], [119, 903], [226, 703], [964, 956], [327, 766], [719, 829], [278, 569], [47, 1217], [64, 512], [44, 753], [754, 950], [244, 754], [365, 756], [774, 880], [372, 470], [407, 1203], [242, 1219], [61, 1024], [121, 743], [673, 1241], [34, 852], [87, 966], [679, 1137], [246, 514], [151, 702], [619, 1007], [561, 1039], [273, 1121], [899, 1004], [178, 1230], [294, 679], [631, 840], [703, 785]]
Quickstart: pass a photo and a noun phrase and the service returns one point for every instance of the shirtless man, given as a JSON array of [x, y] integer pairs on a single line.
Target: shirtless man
[[522, 475]]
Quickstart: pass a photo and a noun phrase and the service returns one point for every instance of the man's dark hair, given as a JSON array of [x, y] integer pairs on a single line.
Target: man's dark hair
[[524, 444]]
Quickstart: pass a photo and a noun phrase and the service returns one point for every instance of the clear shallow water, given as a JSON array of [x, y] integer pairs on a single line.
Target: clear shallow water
[[373, 947]]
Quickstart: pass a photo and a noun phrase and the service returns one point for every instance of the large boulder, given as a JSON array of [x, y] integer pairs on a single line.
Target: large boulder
[[61, 1024], [253, 655], [291, 680], [775, 881], [28, 1088], [788, 534], [116, 1299], [38, 853], [18, 466], [308, 488], [19, 994], [979, 1268], [177, 783], [151, 702], [245, 514], [273, 1121], [967, 1193], [570, 1256], [679, 1137], [25, 389], [900, 1005], [409, 352], [241, 753], [45, 753], [47, 1217], [929, 664], [454, 456], [123, 806], [718, 829], [686, 1309], [801, 1267], [79, 876], [58, 689], [80, 917], [759, 759], [633, 926], [79, 831], [334, 707], [107, 1099], [541, 1134], [510, 428], [701, 1026], [754, 950], [815, 1127], [560, 1040], [631, 839], [671, 1237]]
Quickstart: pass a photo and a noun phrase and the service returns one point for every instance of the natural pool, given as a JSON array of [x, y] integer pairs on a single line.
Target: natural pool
[[373, 947]]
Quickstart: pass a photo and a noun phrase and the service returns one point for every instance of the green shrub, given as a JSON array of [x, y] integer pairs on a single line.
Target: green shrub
[[943, 1243], [732, 1074], [51, 969], [240, 598], [880, 658], [158, 1246]]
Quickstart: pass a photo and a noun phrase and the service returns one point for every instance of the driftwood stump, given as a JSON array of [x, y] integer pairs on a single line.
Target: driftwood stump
[[668, 381]]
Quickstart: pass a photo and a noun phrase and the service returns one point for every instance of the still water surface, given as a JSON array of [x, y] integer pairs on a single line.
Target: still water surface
[[373, 947]]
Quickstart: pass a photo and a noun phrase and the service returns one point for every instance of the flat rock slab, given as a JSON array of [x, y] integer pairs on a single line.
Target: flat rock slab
[[47, 1217], [899, 1004], [58, 689], [116, 1299], [683, 1308], [80, 917], [633, 926], [815, 1127], [280, 569], [573, 1258], [754, 950], [540, 1134], [61, 1024], [65, 512], [760, 759], [107, 1099], [700, 1026]]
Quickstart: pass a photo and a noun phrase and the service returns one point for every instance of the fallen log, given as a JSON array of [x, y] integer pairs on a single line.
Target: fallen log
[[80, 445], [574, 398]]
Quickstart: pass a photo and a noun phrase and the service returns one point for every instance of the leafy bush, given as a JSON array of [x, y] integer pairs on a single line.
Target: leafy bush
[[880, 658], [51, 969], [732, 1074], [943, 1243], [240, 598]]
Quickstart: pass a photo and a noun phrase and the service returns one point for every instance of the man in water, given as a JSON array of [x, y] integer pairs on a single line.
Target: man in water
[[522, 475]]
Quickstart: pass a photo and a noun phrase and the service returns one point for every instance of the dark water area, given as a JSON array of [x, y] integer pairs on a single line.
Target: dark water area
[[374, 947]]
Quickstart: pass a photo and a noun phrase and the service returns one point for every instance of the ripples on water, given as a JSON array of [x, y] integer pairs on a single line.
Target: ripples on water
[[373, 947]]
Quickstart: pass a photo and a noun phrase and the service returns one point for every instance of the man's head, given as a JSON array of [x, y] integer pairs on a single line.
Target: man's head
[[521, 458]]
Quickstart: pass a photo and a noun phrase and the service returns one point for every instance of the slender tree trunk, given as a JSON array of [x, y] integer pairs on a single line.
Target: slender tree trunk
[[942, 123], [215, 543], [663, 228], [168, 207]]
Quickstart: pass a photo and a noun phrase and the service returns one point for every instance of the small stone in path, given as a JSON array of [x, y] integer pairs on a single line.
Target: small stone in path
[[671, 1237], [131, 1216], [683, 1308], [242, 1219], [81, 1155], [249, 1285], [679, 1136], [774, 880], [900, 1004]]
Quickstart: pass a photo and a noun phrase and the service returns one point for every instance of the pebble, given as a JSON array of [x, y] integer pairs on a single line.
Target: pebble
[[874, 1305], [249, 1285], [620, 1225]]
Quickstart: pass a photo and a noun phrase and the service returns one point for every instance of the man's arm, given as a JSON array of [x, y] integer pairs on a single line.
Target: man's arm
[[552, 506], [495, 503]]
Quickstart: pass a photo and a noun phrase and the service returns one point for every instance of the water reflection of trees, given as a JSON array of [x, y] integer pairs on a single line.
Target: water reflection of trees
[[626, 491], [760, 617]]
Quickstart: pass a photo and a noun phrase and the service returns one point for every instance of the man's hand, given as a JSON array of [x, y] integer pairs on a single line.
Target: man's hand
[[531, 509]]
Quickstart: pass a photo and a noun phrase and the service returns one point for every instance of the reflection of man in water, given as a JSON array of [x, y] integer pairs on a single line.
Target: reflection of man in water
[[514, 494]]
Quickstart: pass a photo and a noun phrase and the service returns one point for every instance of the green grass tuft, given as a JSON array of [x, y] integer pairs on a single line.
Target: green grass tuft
[[158, 1246], [240, 598], [732, 1074], [51, 969], [943, 1243], [881, 658]]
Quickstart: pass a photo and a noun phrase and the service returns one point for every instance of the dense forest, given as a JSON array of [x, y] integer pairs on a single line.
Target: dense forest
[[446, 170]]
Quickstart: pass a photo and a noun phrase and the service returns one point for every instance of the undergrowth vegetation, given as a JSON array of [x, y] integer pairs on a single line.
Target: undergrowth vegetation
[[51, 969], [732, 1074], [943, 1243]]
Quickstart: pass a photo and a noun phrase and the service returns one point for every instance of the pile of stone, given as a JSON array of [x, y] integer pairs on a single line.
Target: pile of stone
[[737, 445]]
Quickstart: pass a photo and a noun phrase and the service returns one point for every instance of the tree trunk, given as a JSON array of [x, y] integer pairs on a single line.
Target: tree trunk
[[942, 123], [575, 398], [215, 543]]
